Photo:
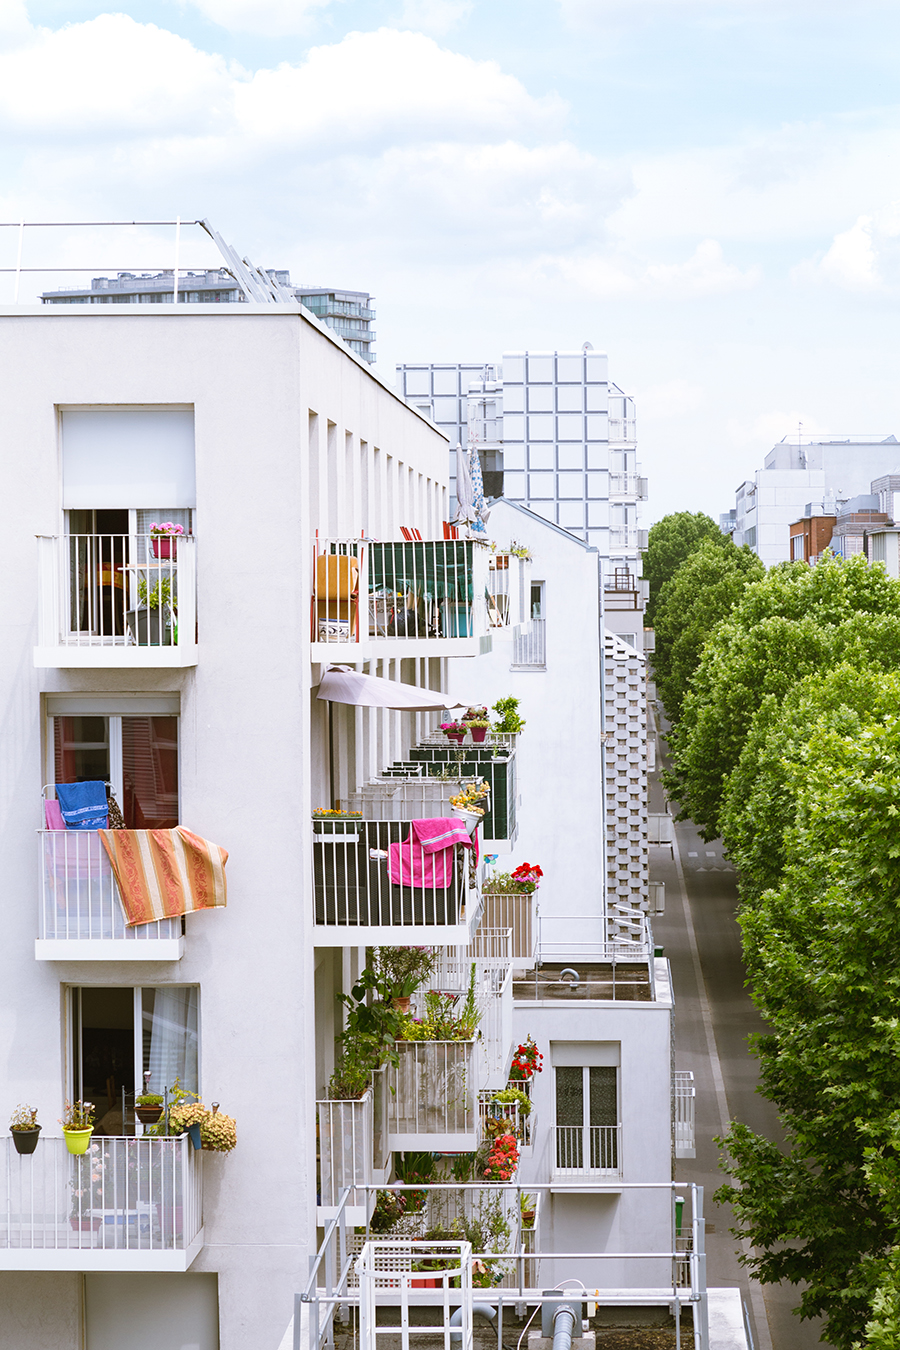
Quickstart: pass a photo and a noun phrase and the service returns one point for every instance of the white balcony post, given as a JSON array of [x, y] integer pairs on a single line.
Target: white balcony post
[[49, 617], [187, 591]]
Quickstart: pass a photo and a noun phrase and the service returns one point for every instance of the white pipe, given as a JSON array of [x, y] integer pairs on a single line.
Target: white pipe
[[456, 1320], [563, 1326]]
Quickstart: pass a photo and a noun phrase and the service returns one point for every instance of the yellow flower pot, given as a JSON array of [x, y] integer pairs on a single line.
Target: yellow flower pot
[[77, 1141]]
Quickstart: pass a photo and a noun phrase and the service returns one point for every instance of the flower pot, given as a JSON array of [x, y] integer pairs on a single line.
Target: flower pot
[[84, 1225], [471, 819], [527, 1218], [150, 627], [194, 1132], [164, 545], [428, 1283], [148, 1115], [26, 1140], [458, 736], [77, 1141], [401, 1002], [478, 734]]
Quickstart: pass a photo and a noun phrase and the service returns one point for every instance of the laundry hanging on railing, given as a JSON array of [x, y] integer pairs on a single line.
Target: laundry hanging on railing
[[83, 805], [164, 873], [427, 856]]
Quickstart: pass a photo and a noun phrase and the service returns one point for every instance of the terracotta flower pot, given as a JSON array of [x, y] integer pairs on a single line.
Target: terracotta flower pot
[[84, 1225], [148, 1115], [401, 1002]]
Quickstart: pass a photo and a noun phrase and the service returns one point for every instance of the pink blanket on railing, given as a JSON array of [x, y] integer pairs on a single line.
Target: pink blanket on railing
[[426, 857], [164, 873]]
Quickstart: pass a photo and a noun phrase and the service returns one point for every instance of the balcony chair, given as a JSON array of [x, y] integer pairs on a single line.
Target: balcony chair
[[335, 603]]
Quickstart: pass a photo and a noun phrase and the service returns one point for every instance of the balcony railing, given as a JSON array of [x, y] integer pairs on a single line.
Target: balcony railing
[[530, 649], [423, 797], [684, 1113], [126, 1204], [80, 915], [432, 1097], [509, 590], [404, 597], [356, 901], [622, 429], [116, 600], [589, 1150], [518, 913], [627, 539], [629, 485], [490, 955]]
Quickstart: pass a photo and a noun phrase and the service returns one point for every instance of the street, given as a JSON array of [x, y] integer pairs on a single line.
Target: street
[[713, 1018]]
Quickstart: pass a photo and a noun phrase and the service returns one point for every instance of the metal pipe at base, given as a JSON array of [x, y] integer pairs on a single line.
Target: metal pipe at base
[[456, 1320], [563, 1326]]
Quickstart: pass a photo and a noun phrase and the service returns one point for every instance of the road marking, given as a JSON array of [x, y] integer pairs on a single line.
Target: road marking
[[692, 855], [710, 853], [760, 1315]]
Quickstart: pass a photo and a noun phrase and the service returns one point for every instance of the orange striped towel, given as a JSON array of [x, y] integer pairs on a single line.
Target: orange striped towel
[[164, 873]]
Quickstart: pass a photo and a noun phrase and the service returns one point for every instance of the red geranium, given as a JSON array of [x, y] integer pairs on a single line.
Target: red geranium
[[526, 1061]]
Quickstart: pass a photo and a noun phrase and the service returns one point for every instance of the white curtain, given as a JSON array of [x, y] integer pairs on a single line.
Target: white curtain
[[170, 1035]]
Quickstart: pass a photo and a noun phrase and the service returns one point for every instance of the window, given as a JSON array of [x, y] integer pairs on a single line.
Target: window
[[120, 1035], [131, 743], [587, 1118], [798, 547]]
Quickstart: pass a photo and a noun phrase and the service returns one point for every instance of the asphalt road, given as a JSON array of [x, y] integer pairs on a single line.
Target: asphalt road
[[713, 1018]]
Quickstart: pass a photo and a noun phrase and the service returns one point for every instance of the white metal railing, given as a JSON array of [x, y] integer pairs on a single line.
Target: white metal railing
[[509, 590], [346, 1149], [506, 910], [624, 485], [400, 1266], [80, 898], [622, 429], [530, 648], [142, 1195], [638, 947], [369, 591], [624, 539], [353, 887], [117, 590], [497, 740], [419, 798], [665, 1266], [432, 1095], [685, 1094], [489, 953], [589, 1150]]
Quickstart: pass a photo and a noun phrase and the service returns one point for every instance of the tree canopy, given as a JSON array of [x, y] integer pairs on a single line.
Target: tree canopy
[[823, 956], [670, 541], [690, 604], [793, 622]]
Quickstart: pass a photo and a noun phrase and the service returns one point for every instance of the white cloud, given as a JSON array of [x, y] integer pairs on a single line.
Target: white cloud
[[271, 18], [865, 257], [672, 398], [768, 428], [435, 16], [610, 274]]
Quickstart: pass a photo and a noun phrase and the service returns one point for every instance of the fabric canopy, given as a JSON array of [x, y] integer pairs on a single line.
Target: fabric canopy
[[342, 684], [464, 494], [439, 568]]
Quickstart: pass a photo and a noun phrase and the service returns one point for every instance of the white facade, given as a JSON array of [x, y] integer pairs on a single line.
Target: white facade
[[800, 471]]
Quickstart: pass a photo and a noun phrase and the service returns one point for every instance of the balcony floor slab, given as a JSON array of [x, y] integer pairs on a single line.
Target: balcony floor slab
[[115, 658], [108, 949], [96, 1259]]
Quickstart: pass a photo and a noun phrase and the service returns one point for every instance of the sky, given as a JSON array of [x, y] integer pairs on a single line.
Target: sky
[[708, 190]]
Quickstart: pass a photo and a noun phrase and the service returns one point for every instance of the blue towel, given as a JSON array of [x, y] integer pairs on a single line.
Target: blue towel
[[83, 805]]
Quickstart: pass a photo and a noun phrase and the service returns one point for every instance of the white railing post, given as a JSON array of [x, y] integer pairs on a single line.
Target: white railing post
[[49, 617], [187, 591]]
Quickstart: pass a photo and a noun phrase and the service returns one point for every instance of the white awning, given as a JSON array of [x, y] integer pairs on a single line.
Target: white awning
[[342, 684]]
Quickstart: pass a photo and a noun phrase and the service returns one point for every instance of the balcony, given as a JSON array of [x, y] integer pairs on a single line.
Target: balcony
[[684, 1094], [622, 429], [509, 591], [432, 1098], [95, 597], [125, 1205], [628, 485], [490, 955], [509, 910], [408, 598], [626, 539], [356, 902], [353, 1153], [589, 1151], [81, 917]]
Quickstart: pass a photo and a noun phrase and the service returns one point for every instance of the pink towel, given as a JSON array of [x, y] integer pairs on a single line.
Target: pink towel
[[53, 815], [425, 859]]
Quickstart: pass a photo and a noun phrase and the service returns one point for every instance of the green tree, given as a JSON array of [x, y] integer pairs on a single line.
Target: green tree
[[689, 606], [670, 541], [797, 620], [823, 956], [760, 800]]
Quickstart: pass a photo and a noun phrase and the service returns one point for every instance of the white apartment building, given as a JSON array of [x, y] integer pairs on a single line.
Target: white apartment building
[[300, 483], [803, 469]]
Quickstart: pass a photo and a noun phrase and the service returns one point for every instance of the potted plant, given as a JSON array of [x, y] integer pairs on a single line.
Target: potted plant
[[150, 625], [78, 1125], [218, 1131], [24, 1129], [479, 728], [527, 1209], [454, 731], [510, 722], [526, 1062], [164, 539], [404, 970], [470, 803], [330, 821], [523, 881], [148, 1108]]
